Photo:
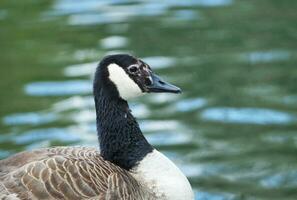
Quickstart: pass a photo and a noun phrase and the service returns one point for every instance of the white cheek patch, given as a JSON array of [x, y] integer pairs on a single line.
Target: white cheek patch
[[127, 88]]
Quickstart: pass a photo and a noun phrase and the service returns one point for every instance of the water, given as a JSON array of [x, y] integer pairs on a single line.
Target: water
[[232, 131]]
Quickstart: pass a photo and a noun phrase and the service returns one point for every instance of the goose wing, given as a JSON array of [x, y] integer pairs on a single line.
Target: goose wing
[[66, 173]]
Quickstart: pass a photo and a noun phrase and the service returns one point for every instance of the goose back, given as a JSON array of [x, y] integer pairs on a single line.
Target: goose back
[[66, 173]]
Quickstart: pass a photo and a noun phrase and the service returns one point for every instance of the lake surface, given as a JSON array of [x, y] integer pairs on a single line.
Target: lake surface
[[232, 131]]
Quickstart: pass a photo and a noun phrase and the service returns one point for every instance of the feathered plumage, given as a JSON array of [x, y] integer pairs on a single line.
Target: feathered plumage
[[66, 173]]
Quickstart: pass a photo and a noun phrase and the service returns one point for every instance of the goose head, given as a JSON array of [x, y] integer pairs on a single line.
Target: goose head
[[124, 76]]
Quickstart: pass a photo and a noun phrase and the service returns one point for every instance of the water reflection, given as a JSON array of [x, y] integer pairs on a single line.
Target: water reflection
[[168, 138], [73, 103], [116, 14], [135, 7], [86, 54], [290, 100], [161, 98], [29, 118], [81, 69], [113, 42], [277, 180], [140, 110], [154, 125], [185, 15], [269, 56], [53, 88], [190, 104], [72, 6], [106, 12], [37, 135], [159, 62], [247, 116], [200, 195]]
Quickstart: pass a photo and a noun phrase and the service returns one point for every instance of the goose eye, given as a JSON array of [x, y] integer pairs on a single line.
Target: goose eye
[[133, 69]]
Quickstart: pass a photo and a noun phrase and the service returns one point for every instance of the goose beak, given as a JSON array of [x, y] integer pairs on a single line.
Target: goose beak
[[159, 86]]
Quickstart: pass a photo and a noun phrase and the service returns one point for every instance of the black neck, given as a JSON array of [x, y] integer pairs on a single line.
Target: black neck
[[121, 140]]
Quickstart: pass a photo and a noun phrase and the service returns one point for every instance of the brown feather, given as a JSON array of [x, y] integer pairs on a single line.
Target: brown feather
[[72, 173]]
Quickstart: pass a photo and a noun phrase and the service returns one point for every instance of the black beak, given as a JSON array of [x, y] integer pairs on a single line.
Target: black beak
[[161, 86]]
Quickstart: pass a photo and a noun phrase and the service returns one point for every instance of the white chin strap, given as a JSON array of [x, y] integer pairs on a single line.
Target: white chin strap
[[126, 87]]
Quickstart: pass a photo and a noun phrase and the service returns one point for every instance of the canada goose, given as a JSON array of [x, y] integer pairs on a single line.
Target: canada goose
[[127, 166]]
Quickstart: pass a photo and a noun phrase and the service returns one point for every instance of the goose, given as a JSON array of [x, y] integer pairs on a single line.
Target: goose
[[127, 167]]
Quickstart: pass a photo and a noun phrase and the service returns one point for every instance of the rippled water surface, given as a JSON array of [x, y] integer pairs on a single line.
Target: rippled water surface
[[232, 131]]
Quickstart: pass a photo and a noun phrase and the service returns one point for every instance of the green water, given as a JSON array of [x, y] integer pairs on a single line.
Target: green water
[[232, 131]]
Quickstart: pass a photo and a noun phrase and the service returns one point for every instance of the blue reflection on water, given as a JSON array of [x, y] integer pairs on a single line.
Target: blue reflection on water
[[168, 138], [62, 134], [147, 7], [158, 125], [114, 41], [191, 170], [203, 195], [140, 110], [117, 14], [92, 19], [75, 102], [267, 56], [247, 115], [158, 62], [102, 12], [29, 118], [62, 88], [277, 180], [206, 3], [81, 69], [185, 15], [190, 104]]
